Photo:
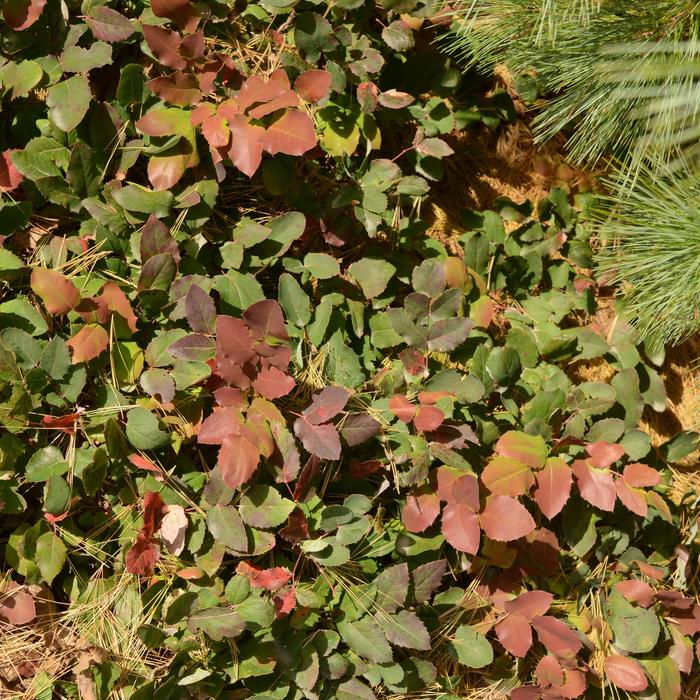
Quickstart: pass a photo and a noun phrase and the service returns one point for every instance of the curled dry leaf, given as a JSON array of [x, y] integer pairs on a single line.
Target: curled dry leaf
[[173, 529]]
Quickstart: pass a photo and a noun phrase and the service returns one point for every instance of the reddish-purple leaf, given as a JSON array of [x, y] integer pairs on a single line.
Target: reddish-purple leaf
[[428, 418], [326, 404], [21, 14], [596, 485], [156, 239], [165, 171], [293, 133], [272, 383], [182, 12], [527, 692], [553, 486], [286, 99], [215, 130], [255, 90], [625, 673], [640, 475], [200, 310], [358, 428], [10, 177], [313, 85], [402, 408], [393, 99], [528, 449], [503, 476], [633, 499], [89, 342], [574, 684], [603, 454], [153, 512], [636, 591], [178, 89], [238, 460], [285, 602], [57, 292], [557, 637], [246, 147], [515, 635], [165, 46], [16, 606], [217, 426], [530, 604], [421, 509], [320, 440], [108, 24], [266, 321], [268, 579], [460, 526], [549, 672], [505, 519], [193, 347], [142, 557], [234, 347]]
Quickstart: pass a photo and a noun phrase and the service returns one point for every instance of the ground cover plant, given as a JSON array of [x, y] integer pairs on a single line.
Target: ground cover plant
[[263, 436]]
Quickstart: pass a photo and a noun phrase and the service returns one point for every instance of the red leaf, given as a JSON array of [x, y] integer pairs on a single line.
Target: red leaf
[[89, 342], [165, 171], [10, 177], [296, 529], [455, 486], [116, 301], [313, 85], [143, 463], [234, 347], [272, 383], [57, 292], [293, 133], [360, 470], [505, 519], [269, 579], [530, 604], [527, 692], [633, 499], [182, 12], [215, 130], [238, 460], [504, 476], [320, 440], [428, 418], [402, 408], [284, 604], [596, 485], [421, 509], [640, 475], [21, 14], [142, 557], [16, 608], [573, 687], [165, 46], [549, 672], [556, 636], [152, 513], [219, 425], [460, 526], [246, 147], [636, 591], [515, 634], [178, 89], [553, 486], [326, 404], [625, 673], [255, 90], [603, 454]]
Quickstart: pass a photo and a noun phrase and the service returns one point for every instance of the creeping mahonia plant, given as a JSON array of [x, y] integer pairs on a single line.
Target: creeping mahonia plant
[[262, 436]]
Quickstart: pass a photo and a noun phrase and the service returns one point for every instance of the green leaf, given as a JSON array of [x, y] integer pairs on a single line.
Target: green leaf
[[372, 275], [217, 623], [263, 507], [45, 463], [143, 431], [55, 359], [226, 527], [636, 629], [406, 629], [354, 690], [131, 86], [68, 102], [321, 265], [471, 648], [76, 59], [666, 676], [50, 556], [57, 495], [294, 301], [366, 639], [141, 199]]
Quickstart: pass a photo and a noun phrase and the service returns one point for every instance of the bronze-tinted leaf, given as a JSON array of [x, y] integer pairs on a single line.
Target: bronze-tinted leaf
[[246, 146], [553, 486], [505, 519], [421, 509], [182, 12], [515, 634], [625, 673], [108, 24], [596, 485], [165, 46], [293, 133], [556, 636], [460, 526], [313, 85], [57, 292], [10, 177], [504, 476], [89, 342], [21, 14], [238, 460], [178, 89]]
